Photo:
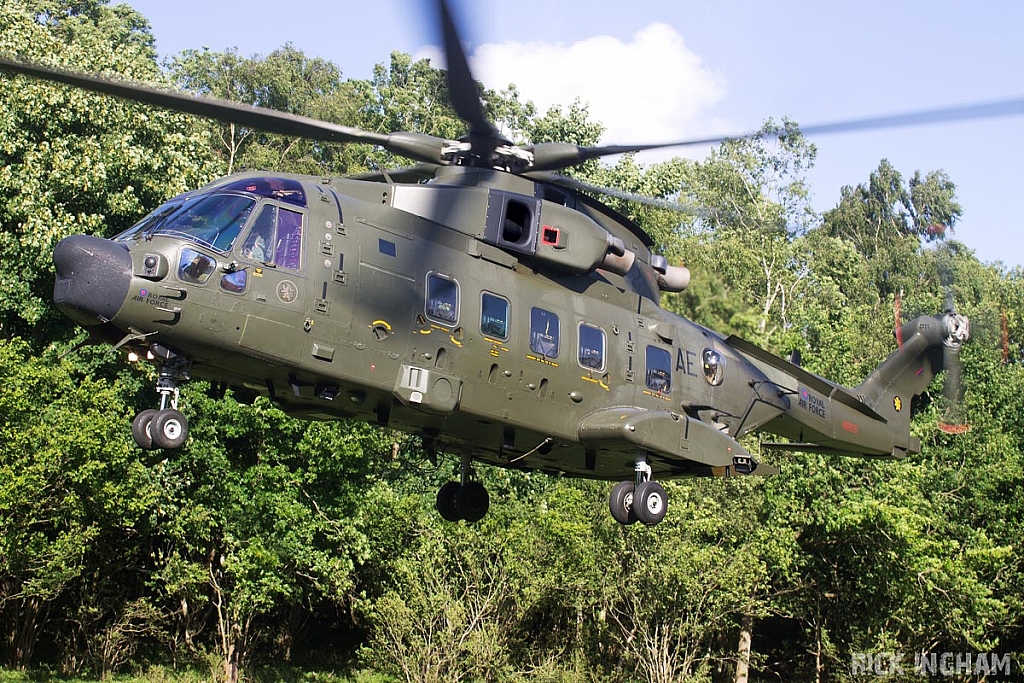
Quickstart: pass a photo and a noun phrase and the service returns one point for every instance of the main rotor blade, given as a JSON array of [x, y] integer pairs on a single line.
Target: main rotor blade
[[558, 155], [462, 88], [413, 145]]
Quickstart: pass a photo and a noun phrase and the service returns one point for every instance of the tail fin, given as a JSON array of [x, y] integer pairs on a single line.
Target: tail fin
[[908, 371]]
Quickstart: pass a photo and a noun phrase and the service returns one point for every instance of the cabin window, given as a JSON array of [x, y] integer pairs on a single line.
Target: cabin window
[[194, 266], [592, 342], [442, 298], [275, 238], [713, 364], [543, 332], [494, 315], [659, 370]]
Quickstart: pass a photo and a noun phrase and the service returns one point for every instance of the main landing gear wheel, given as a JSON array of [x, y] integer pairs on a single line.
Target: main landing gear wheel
[[466, 499], [621, 502], [153, 429], [169, 429], [643, 500], [469, 501], [650, 502]]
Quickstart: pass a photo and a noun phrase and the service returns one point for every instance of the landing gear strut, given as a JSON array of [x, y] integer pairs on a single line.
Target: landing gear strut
[[465, 499], [165, 428], [644, 500]]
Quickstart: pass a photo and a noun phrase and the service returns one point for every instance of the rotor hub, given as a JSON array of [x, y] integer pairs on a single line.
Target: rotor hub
[[956, 329]]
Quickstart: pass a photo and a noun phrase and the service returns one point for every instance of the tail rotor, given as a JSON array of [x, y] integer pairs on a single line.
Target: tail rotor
[[955, 329]]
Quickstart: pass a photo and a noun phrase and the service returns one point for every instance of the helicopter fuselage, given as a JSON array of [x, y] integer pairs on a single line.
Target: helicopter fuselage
[[503, 320], [375, 307]]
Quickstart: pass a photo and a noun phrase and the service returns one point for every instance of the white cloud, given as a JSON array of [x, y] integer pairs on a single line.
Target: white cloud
[[651, 88]]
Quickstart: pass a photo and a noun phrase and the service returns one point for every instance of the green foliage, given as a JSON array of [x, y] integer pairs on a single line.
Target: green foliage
[[285, 80], [72, 162], [886, 220], [74, 499]]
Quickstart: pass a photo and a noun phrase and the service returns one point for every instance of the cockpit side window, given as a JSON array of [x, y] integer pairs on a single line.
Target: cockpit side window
[[289, 239], [275, 238]]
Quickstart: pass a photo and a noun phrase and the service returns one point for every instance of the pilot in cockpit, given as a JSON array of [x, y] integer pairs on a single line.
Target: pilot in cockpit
[[257, 250]]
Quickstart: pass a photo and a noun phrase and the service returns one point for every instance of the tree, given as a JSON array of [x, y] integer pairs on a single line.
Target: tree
[[886, 219], [71, 162], [752, 203], [74, 501], [257, 522], [286, 80]]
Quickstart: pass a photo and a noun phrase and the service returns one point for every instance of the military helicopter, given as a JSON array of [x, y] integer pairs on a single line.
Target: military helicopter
[[478, 300]]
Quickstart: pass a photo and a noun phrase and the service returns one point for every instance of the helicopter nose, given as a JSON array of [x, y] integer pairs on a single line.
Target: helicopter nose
[[93, 277]]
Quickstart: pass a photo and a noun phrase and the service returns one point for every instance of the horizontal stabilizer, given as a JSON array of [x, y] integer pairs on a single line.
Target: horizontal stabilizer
[[763, 470]]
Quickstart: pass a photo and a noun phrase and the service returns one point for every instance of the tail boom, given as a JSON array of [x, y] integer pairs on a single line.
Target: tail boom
[[871, 419]]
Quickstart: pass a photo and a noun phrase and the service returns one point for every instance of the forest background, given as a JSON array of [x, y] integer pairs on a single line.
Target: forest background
[[270, 549]]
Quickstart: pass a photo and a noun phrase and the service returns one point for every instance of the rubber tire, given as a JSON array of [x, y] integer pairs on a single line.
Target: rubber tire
[[650, 502], [140, 429], [169, 429], [445, 502], [620, 502], [472, 501]]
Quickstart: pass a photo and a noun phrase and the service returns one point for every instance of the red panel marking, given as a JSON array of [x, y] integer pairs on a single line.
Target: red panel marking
[[850, 427], [550, 235]]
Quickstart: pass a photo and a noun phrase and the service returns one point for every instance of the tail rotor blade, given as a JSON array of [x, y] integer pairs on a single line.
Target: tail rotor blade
[[957, 332]]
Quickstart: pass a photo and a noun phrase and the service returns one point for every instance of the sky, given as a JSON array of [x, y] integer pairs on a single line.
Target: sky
[[660, 70]]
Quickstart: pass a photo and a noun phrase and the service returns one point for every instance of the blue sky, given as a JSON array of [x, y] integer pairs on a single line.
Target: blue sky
[[654, 70]]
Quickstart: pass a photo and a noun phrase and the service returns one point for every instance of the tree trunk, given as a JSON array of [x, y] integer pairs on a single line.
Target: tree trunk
[[817, 654], [743, 659]]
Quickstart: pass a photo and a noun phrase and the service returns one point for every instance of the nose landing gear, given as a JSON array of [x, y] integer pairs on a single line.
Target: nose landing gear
[[166, 427]]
